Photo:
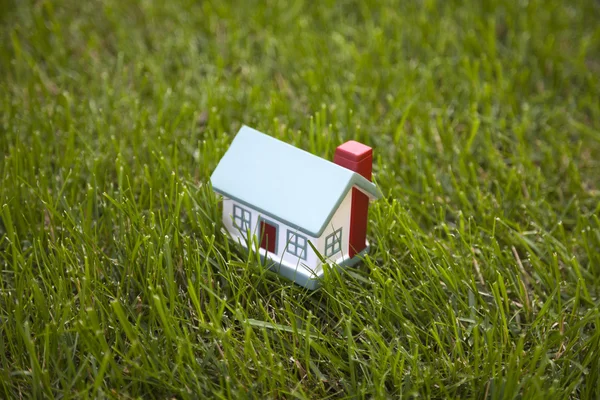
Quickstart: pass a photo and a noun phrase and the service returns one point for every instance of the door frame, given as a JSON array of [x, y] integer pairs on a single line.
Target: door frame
[[262, 219]]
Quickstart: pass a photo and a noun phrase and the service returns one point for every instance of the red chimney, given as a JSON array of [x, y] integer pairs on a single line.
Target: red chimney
[[359, 158]]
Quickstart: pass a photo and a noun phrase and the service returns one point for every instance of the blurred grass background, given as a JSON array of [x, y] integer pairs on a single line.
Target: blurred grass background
[[117, 281]]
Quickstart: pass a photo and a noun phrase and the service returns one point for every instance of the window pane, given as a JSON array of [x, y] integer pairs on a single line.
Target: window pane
[[333, 243], [296, 244], [241, 218]]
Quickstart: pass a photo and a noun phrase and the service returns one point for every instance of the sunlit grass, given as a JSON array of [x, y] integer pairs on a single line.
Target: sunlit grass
[[117, 280]]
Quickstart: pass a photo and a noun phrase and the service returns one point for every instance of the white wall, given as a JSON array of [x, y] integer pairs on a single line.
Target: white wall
[[341, 219], [312, 261]]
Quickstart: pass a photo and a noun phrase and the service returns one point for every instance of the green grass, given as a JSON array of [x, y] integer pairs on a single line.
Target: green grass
[[116, 278]]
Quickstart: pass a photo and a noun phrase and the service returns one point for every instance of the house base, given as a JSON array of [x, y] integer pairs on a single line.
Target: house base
[[302, 275]]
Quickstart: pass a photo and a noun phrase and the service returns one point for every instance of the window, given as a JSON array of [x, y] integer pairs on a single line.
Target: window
[[333, 243], [296, 244], [241, 219]]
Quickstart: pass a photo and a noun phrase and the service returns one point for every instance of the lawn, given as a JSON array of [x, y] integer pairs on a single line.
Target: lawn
[[117, 280]]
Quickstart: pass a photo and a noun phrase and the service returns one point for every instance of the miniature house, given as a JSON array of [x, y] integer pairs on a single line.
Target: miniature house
[[294, 202]]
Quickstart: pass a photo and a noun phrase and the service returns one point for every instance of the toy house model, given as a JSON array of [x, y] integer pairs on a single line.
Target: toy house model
[[286, 197]]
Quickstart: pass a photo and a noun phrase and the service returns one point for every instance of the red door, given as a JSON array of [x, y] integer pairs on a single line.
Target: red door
[[268, 236]]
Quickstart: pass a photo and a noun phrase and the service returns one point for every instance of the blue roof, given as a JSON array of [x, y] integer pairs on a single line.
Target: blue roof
[[285, 182]]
